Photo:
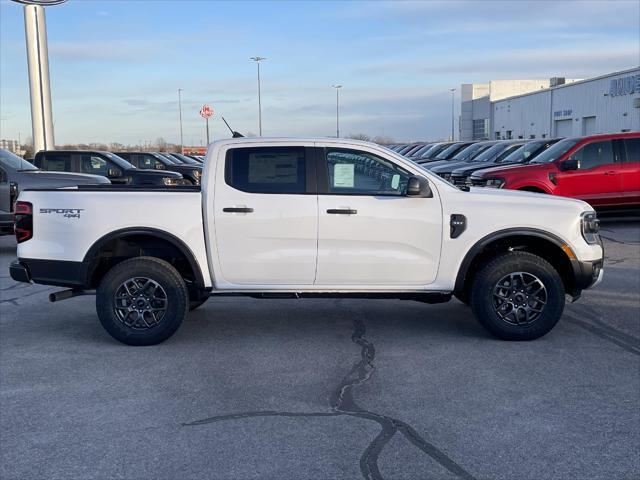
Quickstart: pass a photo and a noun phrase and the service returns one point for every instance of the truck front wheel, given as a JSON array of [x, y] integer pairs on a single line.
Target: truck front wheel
[[518, 296], [142, 301]]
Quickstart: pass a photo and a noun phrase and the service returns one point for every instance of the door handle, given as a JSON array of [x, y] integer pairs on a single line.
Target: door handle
[[342, 211], [237, 209]]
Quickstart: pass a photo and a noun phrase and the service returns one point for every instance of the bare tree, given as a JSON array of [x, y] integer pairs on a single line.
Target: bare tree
[[382, 140], [161, 143], [359, 136]]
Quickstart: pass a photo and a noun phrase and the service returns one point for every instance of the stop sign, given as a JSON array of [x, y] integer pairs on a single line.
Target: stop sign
[[206, 111]]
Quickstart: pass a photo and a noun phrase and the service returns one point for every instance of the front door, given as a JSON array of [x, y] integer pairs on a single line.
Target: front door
[[5, 192], [370, 233], [597, 178], [266, 217]]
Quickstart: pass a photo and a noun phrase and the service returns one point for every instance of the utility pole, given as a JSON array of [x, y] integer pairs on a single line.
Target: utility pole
[[180, 111], [452, 112], [337, 87], [258, 60], [35, 30]]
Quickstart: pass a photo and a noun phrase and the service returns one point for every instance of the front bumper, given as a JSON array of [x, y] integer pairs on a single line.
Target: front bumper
[[588, 274]]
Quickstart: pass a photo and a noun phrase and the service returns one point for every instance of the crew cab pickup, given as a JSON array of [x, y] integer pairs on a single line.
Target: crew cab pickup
[[313, 217]]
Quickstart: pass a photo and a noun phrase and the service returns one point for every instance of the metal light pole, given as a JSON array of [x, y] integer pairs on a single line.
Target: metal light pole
[[258, 60], [452, 110], [35, 30], [180, 110], [337, 87]]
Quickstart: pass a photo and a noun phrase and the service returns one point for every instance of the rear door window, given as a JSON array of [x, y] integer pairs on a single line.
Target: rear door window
[[595, 154], [267, 169], [632, 147], [57, 162]]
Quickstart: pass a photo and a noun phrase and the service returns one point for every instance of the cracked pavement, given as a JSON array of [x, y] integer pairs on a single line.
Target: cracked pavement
[[324, 389]]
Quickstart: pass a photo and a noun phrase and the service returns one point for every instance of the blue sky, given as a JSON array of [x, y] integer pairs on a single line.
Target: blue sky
[[116, 65]]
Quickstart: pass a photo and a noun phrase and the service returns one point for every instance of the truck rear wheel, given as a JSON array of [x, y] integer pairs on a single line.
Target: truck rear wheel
[[518, 296], [142, 301]]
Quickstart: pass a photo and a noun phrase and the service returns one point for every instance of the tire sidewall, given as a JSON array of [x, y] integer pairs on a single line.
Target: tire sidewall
[[157, 270], [495, 270]]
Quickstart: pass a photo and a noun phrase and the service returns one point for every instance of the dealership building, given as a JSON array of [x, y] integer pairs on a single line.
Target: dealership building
[[557, 107]]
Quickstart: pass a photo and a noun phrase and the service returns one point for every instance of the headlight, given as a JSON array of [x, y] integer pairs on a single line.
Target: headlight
[[590, 226], [494, 183], [171, 181]]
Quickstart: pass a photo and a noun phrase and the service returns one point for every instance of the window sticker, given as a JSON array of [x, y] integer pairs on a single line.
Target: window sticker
[[395, 181], [343, 175]]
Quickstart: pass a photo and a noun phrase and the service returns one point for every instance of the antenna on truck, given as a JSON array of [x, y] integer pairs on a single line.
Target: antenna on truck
[[234, 134]]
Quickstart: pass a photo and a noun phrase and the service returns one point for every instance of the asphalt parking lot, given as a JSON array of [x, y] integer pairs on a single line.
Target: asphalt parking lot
[[324, 389]]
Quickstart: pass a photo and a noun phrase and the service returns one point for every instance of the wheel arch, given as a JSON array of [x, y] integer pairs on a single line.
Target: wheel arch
[[125, 243], [547, 245]]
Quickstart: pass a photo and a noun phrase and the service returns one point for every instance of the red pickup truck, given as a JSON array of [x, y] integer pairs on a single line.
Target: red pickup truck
[[603, 170]]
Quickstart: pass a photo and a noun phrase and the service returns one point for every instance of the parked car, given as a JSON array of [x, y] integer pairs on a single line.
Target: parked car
[[450, 150], [180, 158], [523, 154], [467, 153], [491, 155], [314, 217], [106, 164], [157, 161], [17, 174], [603, 170]]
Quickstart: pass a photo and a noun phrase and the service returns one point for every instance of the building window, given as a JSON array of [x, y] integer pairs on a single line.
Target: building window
[[481, 129], [532, 136], [509, 134]]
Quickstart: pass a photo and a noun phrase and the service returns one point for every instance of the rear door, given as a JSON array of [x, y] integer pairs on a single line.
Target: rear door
[[597, 179], [265, 217], [370, 233], [630, 170]]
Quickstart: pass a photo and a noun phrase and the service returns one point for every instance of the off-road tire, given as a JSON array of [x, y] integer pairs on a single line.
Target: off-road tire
[[172, 288], [485, 285]]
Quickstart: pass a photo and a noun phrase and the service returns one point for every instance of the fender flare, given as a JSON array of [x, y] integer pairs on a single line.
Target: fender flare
[[510, 232], [126, 232]]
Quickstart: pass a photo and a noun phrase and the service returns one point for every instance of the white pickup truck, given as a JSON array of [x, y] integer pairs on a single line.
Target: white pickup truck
[[314, 217]]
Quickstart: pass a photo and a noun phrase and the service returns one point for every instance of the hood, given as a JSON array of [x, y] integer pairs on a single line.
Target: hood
[[59, 179], [522, 196], [472, 167], [148, 172], [448, 167], [429, 165], [496, 170]]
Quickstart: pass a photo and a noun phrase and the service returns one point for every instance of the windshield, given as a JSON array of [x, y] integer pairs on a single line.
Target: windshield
[[424, 150], [555, 151], [447, 152], [437, 148], [524, 152], [490, 153], [165, 158], [185, 159], [468, 152], [12, 160], [119, 161]]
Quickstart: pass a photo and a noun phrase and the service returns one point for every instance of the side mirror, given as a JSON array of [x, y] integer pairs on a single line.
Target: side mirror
[[114, 173], [570, 164], [418, 187]]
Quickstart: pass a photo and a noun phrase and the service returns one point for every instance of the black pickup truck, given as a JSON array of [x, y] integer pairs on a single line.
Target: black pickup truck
[[107, 164]]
